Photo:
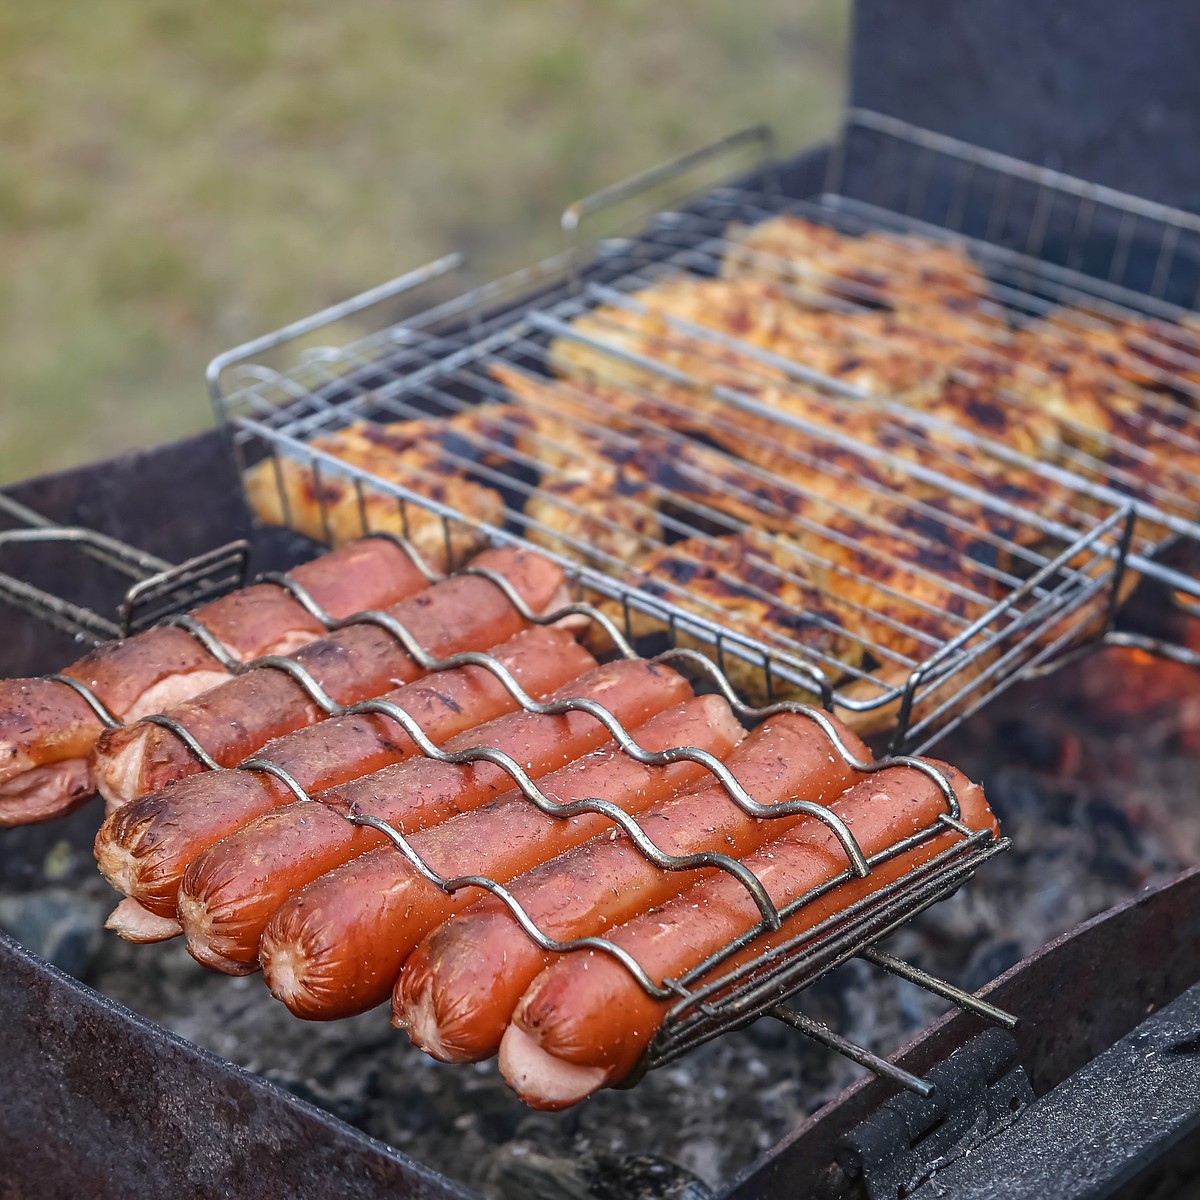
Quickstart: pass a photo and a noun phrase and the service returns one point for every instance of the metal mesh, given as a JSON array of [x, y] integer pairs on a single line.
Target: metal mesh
[[907, 621]]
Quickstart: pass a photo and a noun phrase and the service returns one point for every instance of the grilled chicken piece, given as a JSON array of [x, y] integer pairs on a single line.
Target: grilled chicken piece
[[790, 474], [754, 585], [844, 457], [908, 583], [1162, 453], [604, 516], [536, 430], [1019, 498], [328, 507], [877, 353], [746, 309], [1149, 352], [760, 314], [1148, 443], [571, 422], [1069, 386], [705, 489], [906, 587], [879, 269]]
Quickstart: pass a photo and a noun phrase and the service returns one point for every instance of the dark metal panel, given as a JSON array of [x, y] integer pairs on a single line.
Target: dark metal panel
[[173, 500], [978, 1091], [1103, 89], [1095, 1132], [96, 1101], [1075, 997]]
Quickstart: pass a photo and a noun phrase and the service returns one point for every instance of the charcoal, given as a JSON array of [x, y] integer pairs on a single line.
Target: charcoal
[[521, 1173], [62, 925]]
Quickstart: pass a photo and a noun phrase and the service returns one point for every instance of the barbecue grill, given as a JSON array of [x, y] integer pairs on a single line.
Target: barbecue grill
[[1043, 239]]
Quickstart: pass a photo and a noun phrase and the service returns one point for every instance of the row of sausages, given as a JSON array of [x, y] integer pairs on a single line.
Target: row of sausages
[[48, 730], [339, 920]]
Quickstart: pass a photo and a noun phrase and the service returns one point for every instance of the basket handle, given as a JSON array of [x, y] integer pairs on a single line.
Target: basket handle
[[761, 137], [407, 282]]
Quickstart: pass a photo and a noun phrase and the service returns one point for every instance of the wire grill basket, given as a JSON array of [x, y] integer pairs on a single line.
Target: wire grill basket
[[916, 643]]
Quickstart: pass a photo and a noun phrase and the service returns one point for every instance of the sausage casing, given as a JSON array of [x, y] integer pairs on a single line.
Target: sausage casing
[[335, 948], [585, 1021], [464, 612], [461, 984], [231, 890], [144, 847]]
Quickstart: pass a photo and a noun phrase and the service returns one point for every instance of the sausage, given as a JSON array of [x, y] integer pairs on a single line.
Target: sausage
[[464, 612], [129, 920], [585, 1022], [47, 729], [144, 847], [461, 984], [229, 892], [335, 948]]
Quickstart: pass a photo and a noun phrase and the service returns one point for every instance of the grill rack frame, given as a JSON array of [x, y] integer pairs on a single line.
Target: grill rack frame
[[891, 906], [1003, 632], [452, 331], [158, 590], [772, 660]]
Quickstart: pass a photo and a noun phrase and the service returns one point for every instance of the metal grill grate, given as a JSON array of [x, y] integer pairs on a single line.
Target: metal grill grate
[[920, 646]]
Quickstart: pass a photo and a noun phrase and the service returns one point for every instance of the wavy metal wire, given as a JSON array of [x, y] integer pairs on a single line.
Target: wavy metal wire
[[215, 647], [859, 865]]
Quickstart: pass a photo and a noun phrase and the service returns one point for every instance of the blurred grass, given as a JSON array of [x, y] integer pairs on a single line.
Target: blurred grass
[[175, 179]]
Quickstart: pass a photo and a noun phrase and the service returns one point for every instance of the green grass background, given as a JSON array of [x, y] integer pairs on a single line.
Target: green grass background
[[177, 178]]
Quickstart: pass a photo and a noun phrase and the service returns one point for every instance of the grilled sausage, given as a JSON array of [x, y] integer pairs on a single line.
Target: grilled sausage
[[359, 661], [461, 984], [134, 923], [335, 948], [47, 729], [585, 1021], [144, 847], [231, 890]]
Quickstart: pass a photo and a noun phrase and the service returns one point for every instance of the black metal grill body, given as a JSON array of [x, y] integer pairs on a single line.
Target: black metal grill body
[[1047, 86], [1103, 91]]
